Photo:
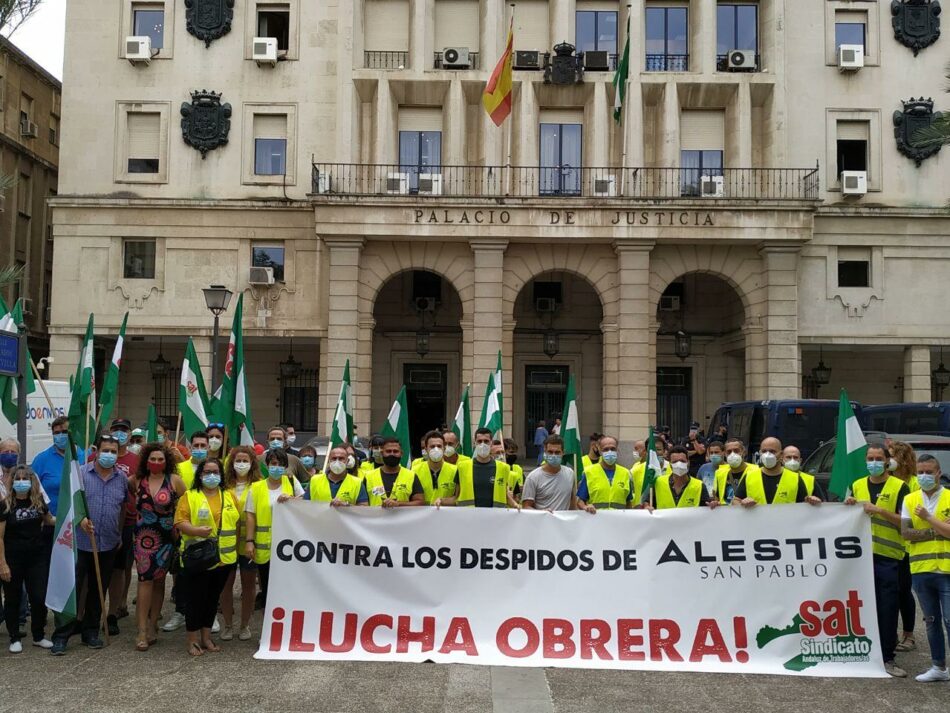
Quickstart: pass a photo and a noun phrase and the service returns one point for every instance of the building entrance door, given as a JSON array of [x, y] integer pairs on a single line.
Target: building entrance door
[[545, 388], [674, 399], [425, 399]]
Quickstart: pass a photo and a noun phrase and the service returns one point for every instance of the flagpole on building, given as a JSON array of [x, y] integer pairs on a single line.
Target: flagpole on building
[[623, 111], [511, 121]]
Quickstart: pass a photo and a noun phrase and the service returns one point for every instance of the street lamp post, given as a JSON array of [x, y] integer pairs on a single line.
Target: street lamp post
[[217, 298]]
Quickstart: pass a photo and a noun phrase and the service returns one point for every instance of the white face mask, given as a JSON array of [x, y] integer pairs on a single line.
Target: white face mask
[[350, 462], [734, 460], [636, 457], [291, 439], [892, 465], [215, 444], [680, 468], [449, 451], [435, 454], [337, 466], [793, 465], [482, 450], [242, 468], [769, 460], [135, 448]]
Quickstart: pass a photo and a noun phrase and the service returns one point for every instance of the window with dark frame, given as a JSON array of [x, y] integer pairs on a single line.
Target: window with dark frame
[[138, 259], [595, 30], [851, 33], [270, 157], [737, 28], [148, 20], [697, 165], [274, 21], [854, 273], [419, 152], [144, 136], [272, 256], [560, 159], [667, 39], [299, 399]]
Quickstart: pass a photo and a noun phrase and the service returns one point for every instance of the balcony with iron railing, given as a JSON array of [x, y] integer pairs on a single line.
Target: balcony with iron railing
[[667, 63], [608, 183], [385, 59]]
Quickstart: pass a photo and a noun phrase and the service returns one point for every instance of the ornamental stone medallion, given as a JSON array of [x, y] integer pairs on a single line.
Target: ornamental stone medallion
[[917, 114], [209, 20], [205, 122], [916, 22]]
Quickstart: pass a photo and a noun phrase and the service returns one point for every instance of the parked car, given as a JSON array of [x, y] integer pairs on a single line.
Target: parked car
[[820, 462], [920, 417], [805, 423]]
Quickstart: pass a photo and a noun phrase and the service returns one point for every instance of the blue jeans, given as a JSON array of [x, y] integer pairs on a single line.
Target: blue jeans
[[933, 593], [887, 596]]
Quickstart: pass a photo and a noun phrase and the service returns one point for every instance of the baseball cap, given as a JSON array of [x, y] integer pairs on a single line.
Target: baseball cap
[[121, 423]]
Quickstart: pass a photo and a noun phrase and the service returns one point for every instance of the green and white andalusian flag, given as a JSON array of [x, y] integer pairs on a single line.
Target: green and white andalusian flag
[[342, 431], [10, 320], [397, 424], [61, 592], [81, 418], [570, 427], [620, 78], [851, 450], [462, 424], [232, 407], [192, 396], [651, 468], [110, 385], [493, 406]]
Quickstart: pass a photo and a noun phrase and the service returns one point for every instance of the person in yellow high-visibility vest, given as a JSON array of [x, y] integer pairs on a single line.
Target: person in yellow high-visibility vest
[[792, 459], [679, 489], [731, 473], [241, 472], [606, 485], [883, 496], [481, 481], [773, 483], [433, 472], [593, 453], [453, 454], [375, 456], [392, 485], [516, 472], [337, 486], [925, 526]]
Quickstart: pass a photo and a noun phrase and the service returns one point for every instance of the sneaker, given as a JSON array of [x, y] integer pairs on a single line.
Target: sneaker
[[934, 674], [112, 623], [92, 641], [894, 670], [16, 648], [227, 633], [176, 621], [906, 644], [216, 627], [58, 648], [245, 633], [43, 643]]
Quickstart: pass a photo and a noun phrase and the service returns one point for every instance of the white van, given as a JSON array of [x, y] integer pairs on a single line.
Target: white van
[[39, 416]]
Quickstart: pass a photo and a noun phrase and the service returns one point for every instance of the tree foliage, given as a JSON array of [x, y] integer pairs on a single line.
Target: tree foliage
[[14, 13], [937, 133]]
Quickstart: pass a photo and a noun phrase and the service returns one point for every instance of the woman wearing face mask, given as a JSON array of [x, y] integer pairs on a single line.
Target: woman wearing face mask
[[156, 487], [903, 465], [23, 513], [352, 461], [9, 457], [241, 472], [278, 487], [207, 511], [338, 487], [308, 456], [215, 433]]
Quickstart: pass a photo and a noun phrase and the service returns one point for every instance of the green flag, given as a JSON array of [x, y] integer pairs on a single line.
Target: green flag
[[397, 424], [342, 430], [232, 407], [651, 467], [83, 399], [151, 425], [111, 383], [462, 424], [491, 417], [192, 397], [851, 450], [61, 594], [620, 78], [570, 428], [10, 321]]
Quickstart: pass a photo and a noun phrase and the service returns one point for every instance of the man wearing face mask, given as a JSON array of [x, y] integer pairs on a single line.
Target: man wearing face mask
[[48, 466], [353, 464], [792, 459], [593, 452], [337, 486], [773, 484], [136, 440], [199, 452], [277, 440], [679, 489], [452, 453], [515, 471], [707, 471], [375, 456], [552, 487], [482, 481], [392, 485], [291, 439], [435, 475], [735, 468], [606, 485]]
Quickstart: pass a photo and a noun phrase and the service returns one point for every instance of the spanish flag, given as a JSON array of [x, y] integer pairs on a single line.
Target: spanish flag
[[497, 95]]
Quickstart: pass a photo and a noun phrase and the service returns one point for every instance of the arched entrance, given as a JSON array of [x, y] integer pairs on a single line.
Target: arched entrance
[[700, 350], [417, 341], [557, 333]]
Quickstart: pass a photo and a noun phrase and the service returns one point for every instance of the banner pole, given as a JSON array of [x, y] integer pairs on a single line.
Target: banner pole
[[178, 428], [102, 597], [39, 380]]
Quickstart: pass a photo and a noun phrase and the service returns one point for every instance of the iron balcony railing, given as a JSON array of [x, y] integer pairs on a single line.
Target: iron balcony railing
[[775, 184], [439, 62], [667, 62], [385, 59]]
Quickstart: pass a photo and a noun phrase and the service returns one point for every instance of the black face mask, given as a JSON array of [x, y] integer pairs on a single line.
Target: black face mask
[[512, 459], [391, 461]]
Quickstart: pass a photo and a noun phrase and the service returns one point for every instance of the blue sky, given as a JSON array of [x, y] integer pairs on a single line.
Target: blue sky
[[42, 36]]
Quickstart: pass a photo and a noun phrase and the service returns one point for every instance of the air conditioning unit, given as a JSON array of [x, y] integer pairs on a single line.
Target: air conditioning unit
[[456, 58], [264, 51], [605, 187], [28, 128], [425, 304], [430, 184], [597, 61], [397, 184], [670, 303], [850, 58], [854, 183], [138, 49], [527, 59], [323, 183], [261, 276], [740, 59], [545, 305], [712, 186]]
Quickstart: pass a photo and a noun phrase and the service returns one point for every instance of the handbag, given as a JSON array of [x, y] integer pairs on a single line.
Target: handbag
[[200, 556]]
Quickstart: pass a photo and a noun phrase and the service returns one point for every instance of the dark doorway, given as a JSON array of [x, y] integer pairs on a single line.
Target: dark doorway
[[425, 399], [545, 388], [674, 399]]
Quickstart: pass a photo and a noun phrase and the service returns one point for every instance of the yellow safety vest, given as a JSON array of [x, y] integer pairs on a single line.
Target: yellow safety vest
[[603, 493], [467, 486], [724, 472], [348, 493], [885, 536], [785, 493], [264, 516], [586, 462], [186, 471], [433, 490], [929, 555], [402, 488], [688, 499], [515, 477], [242, 523], [228, 532], [809, 480], [366, 467]]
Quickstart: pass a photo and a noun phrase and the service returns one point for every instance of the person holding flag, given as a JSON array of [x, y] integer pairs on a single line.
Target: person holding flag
[[680, 489], [393, 484], [773, 483], [492, 406], [650, 467], [461, 429]]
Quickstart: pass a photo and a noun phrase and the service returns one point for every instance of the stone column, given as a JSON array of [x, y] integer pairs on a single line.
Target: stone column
[[421, 33], [454, 127], [782, 357], [384, 139], [562, 22], [487, 321], [203, 348], [64, 349], [917, 377], [702, 53], [756, 386], [468, 355], [611, 388], [669, 153], [636, 343]]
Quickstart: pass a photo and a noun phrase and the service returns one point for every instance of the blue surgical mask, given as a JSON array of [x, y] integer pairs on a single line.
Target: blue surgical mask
[[107, 459], [609, 457], [212, 480], [121, 436], [926, 481], [552, 459], [307, 461], [199, 453], [22, 486], [8, 460], [715, 458], [276, 443], [875, 467], [160, 438], [275, 471], [61, 440]]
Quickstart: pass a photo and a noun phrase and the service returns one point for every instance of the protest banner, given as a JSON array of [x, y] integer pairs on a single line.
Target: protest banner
[[781, 589]]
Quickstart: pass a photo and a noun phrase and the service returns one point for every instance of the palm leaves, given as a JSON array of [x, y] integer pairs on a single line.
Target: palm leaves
[[938, 133]]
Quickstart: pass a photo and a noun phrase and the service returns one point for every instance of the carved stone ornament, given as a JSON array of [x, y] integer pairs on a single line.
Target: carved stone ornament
[[209, 20], [205, 122], [916, 22], [917, 114]]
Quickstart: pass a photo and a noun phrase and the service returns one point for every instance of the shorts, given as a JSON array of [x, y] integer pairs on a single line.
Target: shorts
[[125, 555], [246, 565]]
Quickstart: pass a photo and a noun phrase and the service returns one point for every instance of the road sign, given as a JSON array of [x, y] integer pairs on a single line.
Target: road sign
[[9, 354]]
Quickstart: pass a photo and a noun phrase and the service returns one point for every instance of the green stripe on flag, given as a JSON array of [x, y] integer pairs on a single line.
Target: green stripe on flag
[[851, 450]]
